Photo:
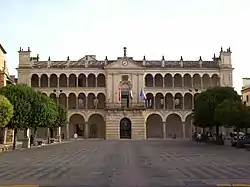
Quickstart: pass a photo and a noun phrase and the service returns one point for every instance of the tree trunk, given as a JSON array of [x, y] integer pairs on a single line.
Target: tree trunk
[[35, 136], [15, 139], [48, 135], [217, 132]]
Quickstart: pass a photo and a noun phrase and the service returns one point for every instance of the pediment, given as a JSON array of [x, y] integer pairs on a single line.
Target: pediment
[[124, 64], [88, 57]]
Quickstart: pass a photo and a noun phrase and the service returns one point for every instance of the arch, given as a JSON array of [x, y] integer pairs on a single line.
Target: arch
[[97, 126], [82, 80], [158, 80], [101, 80], [177, 80], [44, 94], [44, 81], [77, 123], [53, 80], [188, 101], [178, 101], [63, 80], [197, 80], [91, 80], [91, 98], [187, 80], [159, 101], [34, 80], [101, 100], [125, 128], [63, 100], [72, 80], [169, 101], [149, 102], [154, 126], [215, 80], [174, 126], [72, 101], [53, 97], [82, 101], [168, 79], [125, 94], [149, 80], [206, 80], [188, 127]]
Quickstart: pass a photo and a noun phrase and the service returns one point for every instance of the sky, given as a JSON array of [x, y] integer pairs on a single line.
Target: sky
[[173, 28]]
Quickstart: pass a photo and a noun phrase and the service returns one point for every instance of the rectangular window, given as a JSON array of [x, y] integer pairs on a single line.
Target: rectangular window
[[124, 77]]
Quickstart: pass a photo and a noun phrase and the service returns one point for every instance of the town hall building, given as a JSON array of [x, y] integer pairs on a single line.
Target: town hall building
[[125, 98]]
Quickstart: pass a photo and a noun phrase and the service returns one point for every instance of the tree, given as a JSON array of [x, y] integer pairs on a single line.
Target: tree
[[234, 114], [62, 117], [40, 115], [6, 111], [207, 102], [50, 114], [18, 95]]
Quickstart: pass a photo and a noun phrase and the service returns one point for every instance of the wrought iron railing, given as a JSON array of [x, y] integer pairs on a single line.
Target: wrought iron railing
[[125, 106]]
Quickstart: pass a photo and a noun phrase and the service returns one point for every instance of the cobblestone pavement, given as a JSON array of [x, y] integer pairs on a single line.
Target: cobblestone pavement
[[126, 163]]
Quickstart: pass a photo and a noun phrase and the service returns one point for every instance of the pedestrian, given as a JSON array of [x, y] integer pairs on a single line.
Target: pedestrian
[[75, 136], [198, 137], [31, 140]]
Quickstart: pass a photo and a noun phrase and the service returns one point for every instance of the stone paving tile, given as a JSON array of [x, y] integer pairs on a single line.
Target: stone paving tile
[[126, 163]]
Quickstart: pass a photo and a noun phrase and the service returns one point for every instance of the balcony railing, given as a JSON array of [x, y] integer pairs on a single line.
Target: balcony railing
[[124, 106]]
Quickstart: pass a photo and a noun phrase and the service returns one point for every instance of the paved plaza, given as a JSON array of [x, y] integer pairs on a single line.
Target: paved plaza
[[126, 163]]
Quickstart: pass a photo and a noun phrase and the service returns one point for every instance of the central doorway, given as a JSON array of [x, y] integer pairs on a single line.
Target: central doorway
[[125, 128]]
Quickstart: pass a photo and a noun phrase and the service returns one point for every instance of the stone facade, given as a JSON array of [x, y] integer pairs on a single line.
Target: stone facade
[[6, 135], [246, 91], [104, 97]]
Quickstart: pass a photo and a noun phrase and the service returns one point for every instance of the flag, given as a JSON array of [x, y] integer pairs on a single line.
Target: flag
[[119, 95], [131, 94], [142, 95]]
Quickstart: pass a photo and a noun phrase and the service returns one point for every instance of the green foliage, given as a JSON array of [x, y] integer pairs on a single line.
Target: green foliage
[[18, 95], [233, 114], [40, 115], [62, 117], [207, 102], [6, 111], [32, 109], [51, 112]]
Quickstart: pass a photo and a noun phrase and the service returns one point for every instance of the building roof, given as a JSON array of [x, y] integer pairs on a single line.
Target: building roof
[[2, 49], [102, 63]]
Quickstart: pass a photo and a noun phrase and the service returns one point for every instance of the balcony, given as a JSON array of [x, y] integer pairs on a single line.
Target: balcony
[[122, 106]]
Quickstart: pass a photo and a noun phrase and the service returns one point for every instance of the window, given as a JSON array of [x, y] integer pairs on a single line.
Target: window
[[247, 98], [124, 77]]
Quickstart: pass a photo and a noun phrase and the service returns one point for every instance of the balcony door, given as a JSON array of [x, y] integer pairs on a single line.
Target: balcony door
[[125, 95]]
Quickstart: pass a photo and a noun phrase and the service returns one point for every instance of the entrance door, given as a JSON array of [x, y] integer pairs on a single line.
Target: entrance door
[[125, 129]]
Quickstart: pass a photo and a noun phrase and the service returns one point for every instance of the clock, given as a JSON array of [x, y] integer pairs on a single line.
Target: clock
[[124, 63]]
